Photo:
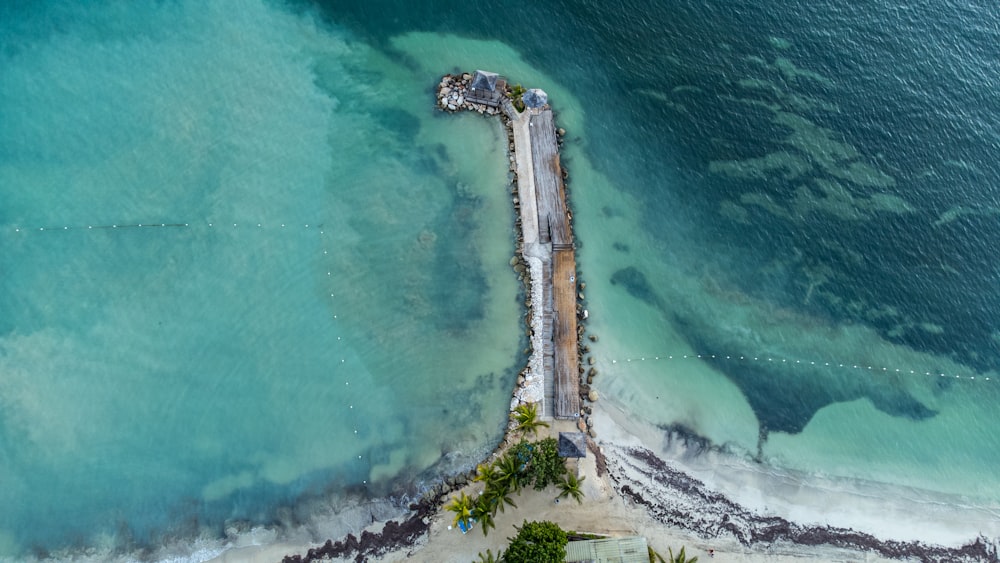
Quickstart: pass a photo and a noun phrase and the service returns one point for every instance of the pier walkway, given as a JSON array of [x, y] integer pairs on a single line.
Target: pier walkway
[[548, 237]]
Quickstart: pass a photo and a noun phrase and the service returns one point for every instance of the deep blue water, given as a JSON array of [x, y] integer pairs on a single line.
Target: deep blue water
[[911, 86]]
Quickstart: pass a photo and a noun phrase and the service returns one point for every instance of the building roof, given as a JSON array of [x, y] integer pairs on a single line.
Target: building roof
[[609, 550], [572, 444], [535, 98], [483, 80]]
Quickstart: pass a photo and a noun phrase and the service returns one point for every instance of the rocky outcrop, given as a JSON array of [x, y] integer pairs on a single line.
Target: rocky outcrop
[[451, 95]]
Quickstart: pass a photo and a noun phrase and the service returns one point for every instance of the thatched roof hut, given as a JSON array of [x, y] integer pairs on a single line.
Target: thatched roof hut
[[535, 98], [486, 88], [572, 444]]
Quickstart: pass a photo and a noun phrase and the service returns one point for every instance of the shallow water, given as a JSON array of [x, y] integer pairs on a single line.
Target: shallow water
[[329, 308], [818, 191]]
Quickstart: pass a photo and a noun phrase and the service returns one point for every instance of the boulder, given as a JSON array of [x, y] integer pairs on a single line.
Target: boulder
[[592, 396]]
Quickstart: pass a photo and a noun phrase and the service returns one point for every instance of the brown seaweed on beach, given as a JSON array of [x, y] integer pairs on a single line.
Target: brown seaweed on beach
[[394, 535], [600, 461], [711, 514]]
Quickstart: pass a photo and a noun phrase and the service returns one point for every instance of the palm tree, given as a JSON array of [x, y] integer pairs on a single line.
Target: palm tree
[[654, 556], [510, 472], [680, 558], [526, 416], [483, 513], [462, 506], [570, 486], [498, 495], [486, 474], [516, 92], [489, 557]]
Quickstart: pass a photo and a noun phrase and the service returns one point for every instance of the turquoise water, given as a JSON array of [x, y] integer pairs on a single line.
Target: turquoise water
[[818, 190], [329, 309]]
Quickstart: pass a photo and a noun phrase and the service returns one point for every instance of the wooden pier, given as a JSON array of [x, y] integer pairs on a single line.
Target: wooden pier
[[547, 235]]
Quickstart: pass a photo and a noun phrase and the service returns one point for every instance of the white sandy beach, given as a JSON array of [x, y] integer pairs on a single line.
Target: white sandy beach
[[606, 511]]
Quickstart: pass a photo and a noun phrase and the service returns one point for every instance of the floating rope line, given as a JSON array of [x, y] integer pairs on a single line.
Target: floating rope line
[[91, 227], [770, 359], [212, 224], [343, 361]]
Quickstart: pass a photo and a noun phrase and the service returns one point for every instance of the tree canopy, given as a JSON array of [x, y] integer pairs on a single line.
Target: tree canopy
[[537, 542]]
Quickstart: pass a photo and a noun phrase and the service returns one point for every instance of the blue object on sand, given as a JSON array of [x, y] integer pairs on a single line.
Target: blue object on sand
[[465, 526]]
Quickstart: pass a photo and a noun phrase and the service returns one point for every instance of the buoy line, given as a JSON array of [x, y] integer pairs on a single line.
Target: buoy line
[[784, 361], [21, 229]]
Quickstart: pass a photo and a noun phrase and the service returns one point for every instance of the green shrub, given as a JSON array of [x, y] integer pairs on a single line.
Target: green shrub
[[537, 542]]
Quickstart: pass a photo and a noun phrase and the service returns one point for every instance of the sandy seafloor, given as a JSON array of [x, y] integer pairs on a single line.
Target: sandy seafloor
[[860, 427]]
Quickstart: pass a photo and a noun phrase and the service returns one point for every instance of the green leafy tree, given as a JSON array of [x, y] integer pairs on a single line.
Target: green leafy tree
[[526, 416], [462, 506], [516, 92], [680, 557], [537, 542], [546, 467], [570, 487]]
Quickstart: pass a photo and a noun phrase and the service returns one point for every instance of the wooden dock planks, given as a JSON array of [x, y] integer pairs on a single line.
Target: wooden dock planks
[[553, 221], [564, 335], [555, 232]]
